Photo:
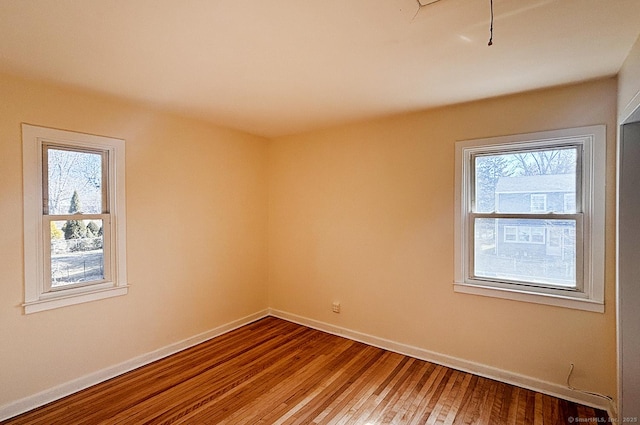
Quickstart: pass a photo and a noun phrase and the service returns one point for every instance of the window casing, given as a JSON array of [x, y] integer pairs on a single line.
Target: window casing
[[544, 247], [74, 253]]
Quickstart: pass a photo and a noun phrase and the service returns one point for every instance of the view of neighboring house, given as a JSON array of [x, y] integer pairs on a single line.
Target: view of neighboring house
[[532, 249]]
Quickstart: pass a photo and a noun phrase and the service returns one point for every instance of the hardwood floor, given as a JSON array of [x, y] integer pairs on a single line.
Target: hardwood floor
[[276, 372]]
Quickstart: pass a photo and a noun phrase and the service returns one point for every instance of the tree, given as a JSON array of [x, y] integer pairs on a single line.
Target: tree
[[92, 230], [60, 177], [488, 170], [74, 207], [55, 232], [74, 229], [557, 161]]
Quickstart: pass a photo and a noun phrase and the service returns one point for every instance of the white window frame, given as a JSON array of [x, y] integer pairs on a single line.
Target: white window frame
[[39, 296], [589, 295]]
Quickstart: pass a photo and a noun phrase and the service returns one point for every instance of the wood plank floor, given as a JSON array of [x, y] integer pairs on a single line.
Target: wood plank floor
[[276, 372]]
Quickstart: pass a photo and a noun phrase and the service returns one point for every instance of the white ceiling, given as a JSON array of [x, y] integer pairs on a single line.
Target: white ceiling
[[276, 67]]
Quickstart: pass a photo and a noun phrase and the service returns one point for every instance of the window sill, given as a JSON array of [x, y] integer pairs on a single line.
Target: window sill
[[71, 299], [530, 297]]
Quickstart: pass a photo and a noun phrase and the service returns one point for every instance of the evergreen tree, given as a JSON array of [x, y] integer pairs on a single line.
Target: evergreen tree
[[74, 206], [74, 229], [92, 230]]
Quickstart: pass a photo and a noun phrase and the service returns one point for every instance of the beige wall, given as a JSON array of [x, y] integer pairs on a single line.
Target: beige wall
[[629, 84], [196, 247], [363, 214]]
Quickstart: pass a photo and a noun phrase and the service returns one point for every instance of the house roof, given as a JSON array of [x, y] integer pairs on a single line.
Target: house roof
[[277, 67], [528, 184]]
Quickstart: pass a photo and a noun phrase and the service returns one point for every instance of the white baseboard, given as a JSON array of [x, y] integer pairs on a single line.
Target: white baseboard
[[31, 402], [479, 369]]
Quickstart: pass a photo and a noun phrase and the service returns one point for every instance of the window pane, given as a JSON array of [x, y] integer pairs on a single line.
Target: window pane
[[76, 252], [510, 234], [540, 181], [74, 181], [529, 251]]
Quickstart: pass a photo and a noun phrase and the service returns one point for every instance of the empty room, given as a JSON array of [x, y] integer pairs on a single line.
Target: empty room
[[336, 212]]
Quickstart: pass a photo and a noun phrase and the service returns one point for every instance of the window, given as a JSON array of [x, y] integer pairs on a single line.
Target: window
[[524, 234], [538, 202], [569, 202], [74, 218], [538, 235], [543, 196], [510, 234]]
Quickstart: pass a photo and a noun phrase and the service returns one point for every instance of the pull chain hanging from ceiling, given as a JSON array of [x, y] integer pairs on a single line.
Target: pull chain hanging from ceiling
[[491, 27]]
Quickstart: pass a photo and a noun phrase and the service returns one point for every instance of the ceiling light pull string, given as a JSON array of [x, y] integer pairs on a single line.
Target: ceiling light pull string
[[491, 27]]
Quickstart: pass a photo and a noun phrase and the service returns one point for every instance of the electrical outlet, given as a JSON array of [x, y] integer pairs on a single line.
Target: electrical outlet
[[335, 307]]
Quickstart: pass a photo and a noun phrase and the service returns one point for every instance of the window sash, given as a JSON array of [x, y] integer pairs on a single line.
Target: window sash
[[106, 251], [472, 277], [524, 147], [46, 146]]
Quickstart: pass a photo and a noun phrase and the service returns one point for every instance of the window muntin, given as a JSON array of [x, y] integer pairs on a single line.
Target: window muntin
[[75, 221], [494, 214]]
